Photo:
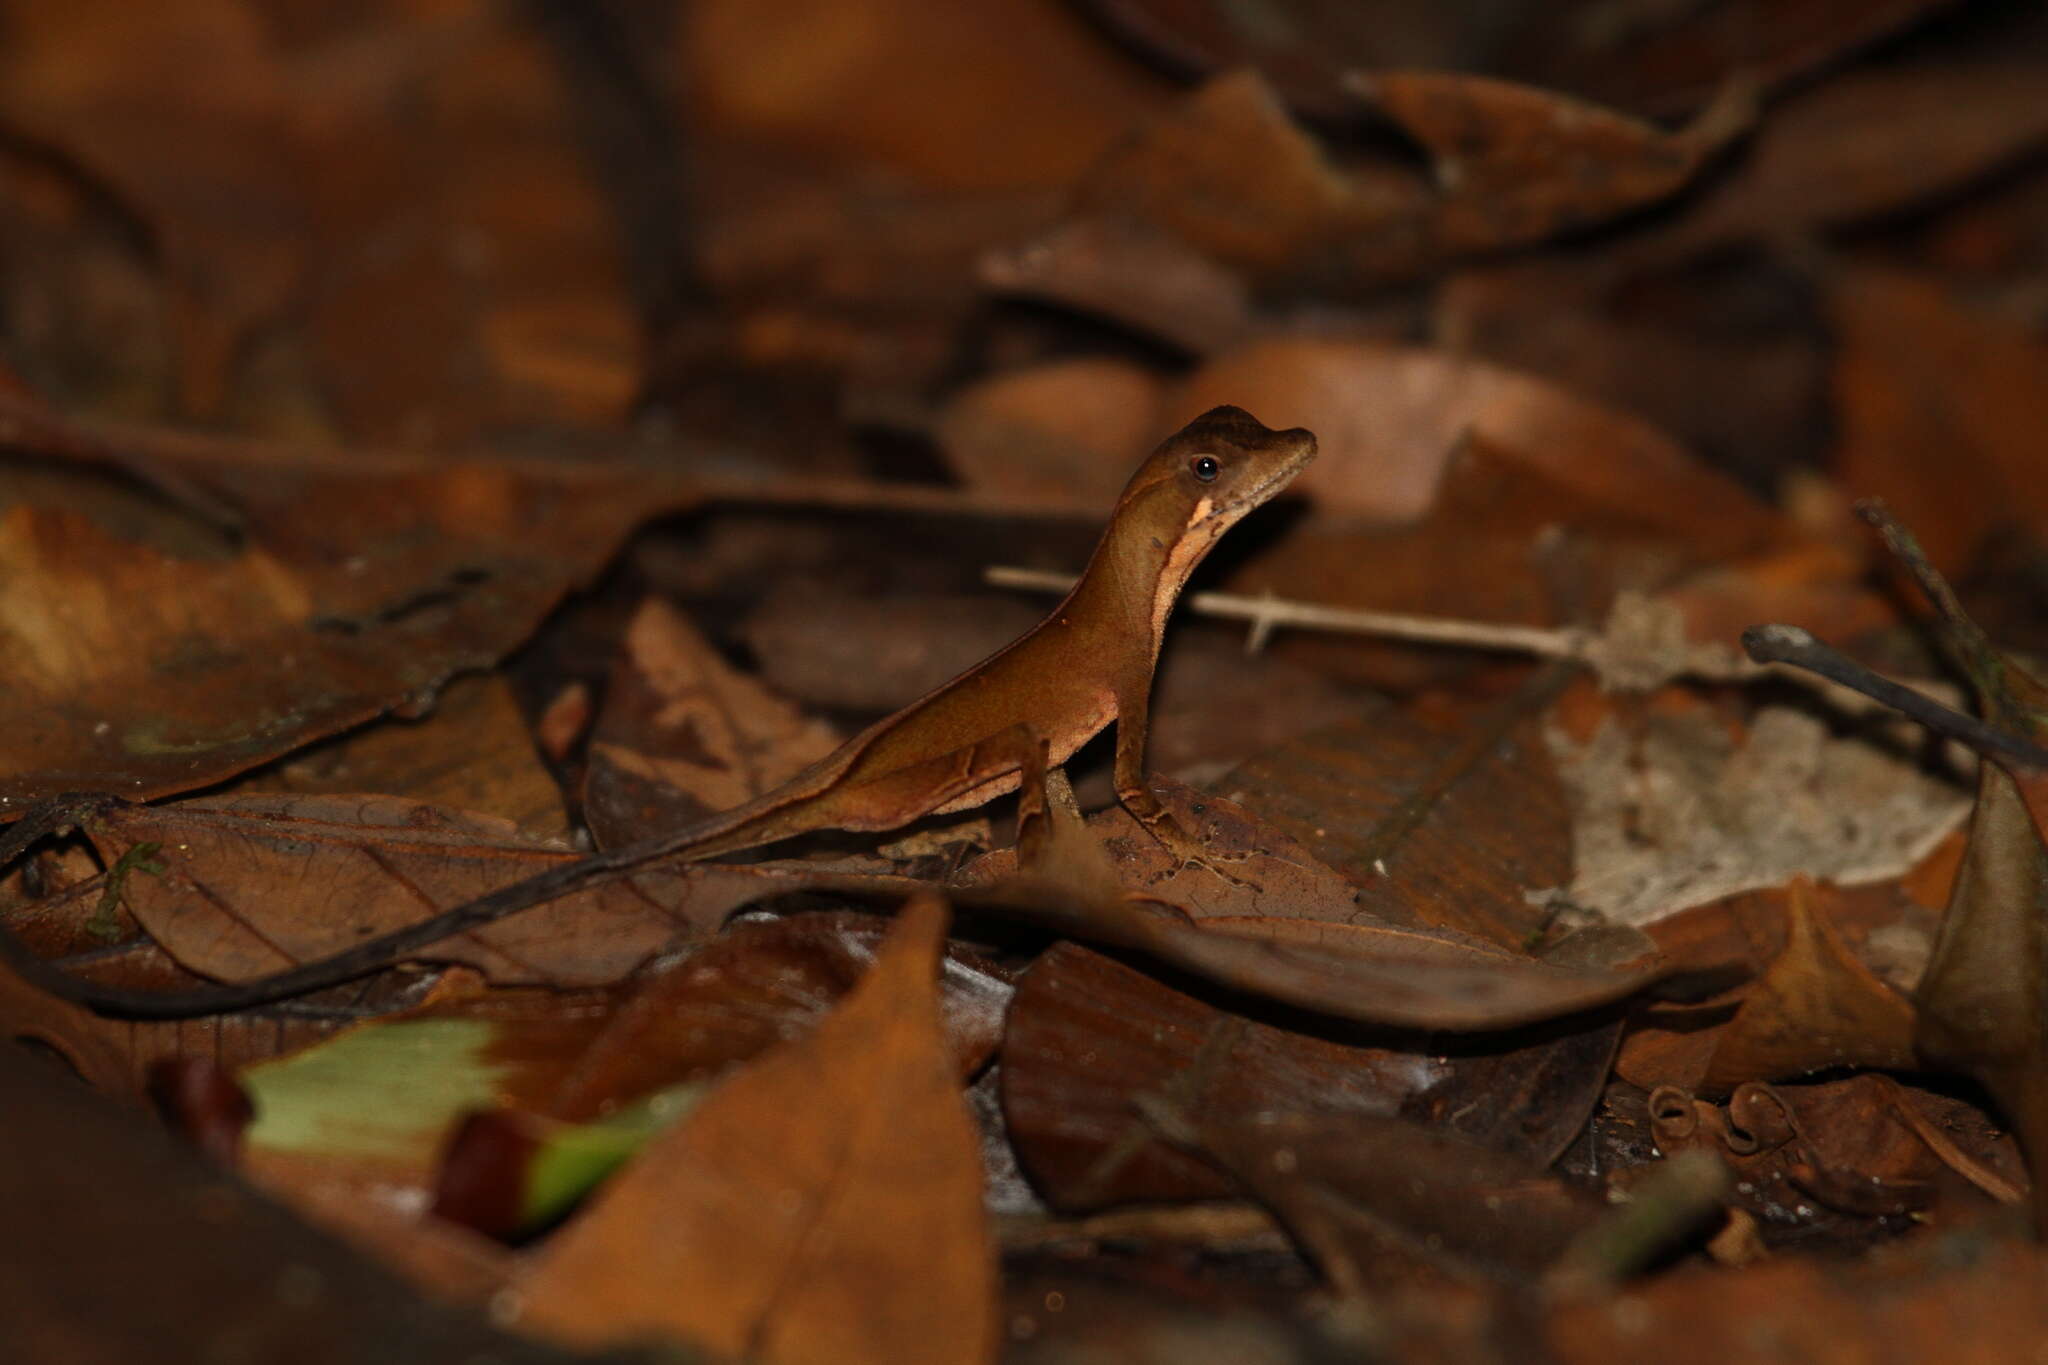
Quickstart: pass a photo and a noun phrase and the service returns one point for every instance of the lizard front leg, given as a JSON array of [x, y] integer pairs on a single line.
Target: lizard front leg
[[1133, 712]]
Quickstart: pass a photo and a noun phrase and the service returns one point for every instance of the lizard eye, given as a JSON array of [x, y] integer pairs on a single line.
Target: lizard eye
[[1205, 468]]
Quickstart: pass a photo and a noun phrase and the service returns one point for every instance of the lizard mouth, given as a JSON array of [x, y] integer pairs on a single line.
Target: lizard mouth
[[1251, 496]]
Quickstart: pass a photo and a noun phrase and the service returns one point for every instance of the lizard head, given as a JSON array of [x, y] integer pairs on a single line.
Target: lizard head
[[1206, 476], [1200, 482]]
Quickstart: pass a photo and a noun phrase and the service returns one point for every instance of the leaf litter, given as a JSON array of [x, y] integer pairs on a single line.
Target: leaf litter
[[608, 410]]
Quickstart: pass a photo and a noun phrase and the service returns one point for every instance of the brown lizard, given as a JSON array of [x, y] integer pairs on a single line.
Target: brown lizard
[[1031, 703]]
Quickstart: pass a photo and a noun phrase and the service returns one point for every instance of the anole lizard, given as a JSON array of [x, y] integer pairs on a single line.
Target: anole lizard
[[1035, 701]]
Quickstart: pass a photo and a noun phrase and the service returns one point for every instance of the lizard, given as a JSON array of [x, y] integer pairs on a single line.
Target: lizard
[[1028, 706]]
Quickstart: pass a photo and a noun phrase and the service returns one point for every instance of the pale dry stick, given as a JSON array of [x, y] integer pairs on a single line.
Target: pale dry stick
[[1641, 647], [1267, 612]]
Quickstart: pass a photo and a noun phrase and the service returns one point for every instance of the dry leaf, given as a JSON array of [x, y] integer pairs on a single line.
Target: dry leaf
[[1668, 61], [755, 985], [1813, 163], [1370, 972], [1360, 1192], [684, 734], [1437, 816], [824, 1205], [472, 752], [1072, 428], [1389, 419], [1516, 164], [1229, 173], [1683, 812], [1918, 373], [1816, 1006], [361, 582], [1087, 1035], [255, 884]]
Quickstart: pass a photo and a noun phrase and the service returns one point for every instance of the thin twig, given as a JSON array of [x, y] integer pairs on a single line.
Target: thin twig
[[1267, 612], [1782, 644]]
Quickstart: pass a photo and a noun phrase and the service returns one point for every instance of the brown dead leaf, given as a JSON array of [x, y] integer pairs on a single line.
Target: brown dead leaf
[[1029, 95], [95, 1049], [1813, 163], [1982, 1002], [472, 752], [1439, 817], [1373, 973], [1087, 1034], [1803, 1309], [1512, 165], [1669, 347], [256, 884], [1389, 419], [756, 985], [1229, 173], [1516, 164], [1919, 373], [1834, 1162], [206, 163], [1134, 275], [1816, 1006], [360, 583], [1071, 428], [1884, 928], [683, 734], [837, 647], [1273, 874], [823, 1205], [1372, 1197], [1664, 62]]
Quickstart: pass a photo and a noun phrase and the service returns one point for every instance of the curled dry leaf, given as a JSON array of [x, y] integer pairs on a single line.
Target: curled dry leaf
[[1087, 1034], [823, 1205], [1368, 1196], [1983, 999], [96, 1049], [756, 985], [683, 734], [1367, 972], [255, 884], [1511, 165], [1516, 164], [1878, 926], [1816, 1006], [1823, 1161]]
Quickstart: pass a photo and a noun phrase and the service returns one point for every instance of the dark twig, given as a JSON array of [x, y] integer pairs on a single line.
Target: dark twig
[[379, 953], [1778, 644]]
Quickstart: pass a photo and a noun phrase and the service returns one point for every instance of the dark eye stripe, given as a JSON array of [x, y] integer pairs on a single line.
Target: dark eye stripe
[[1204, 467]]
